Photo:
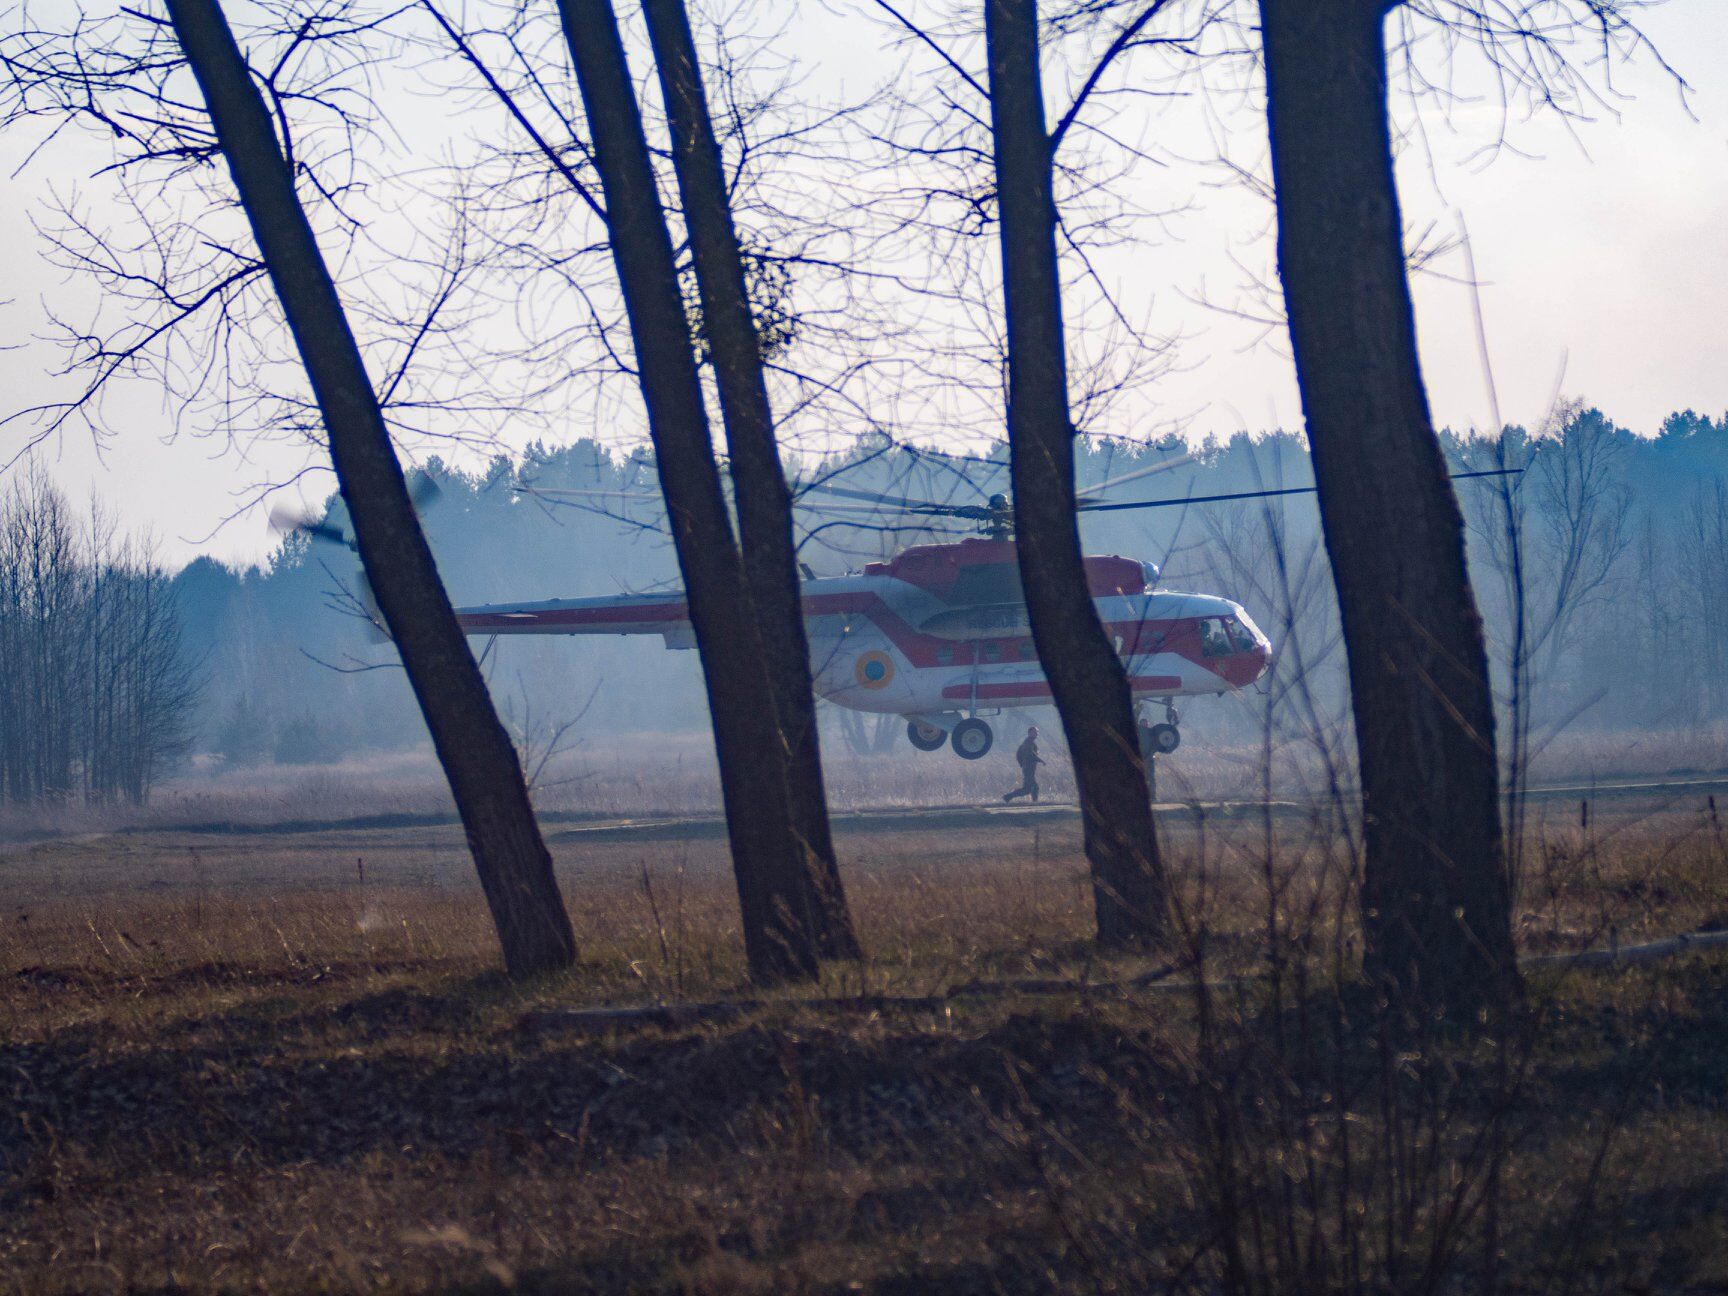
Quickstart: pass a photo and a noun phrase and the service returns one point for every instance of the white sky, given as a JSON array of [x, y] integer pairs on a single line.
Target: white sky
[[1608, 251]]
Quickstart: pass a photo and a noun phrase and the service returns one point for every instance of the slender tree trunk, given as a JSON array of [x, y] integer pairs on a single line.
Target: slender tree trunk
[[485, 777], [758, 479], [1434, 896], [1087, 679], [778, 891]]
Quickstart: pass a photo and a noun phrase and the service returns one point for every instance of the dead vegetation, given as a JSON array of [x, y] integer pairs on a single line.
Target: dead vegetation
[[281, 1063]]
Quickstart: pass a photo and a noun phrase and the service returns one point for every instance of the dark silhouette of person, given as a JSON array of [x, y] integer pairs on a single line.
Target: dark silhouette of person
[[1029, 760]]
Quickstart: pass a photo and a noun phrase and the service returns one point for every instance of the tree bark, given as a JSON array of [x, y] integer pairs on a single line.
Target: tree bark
[[485, 777], [1435, 905], [758, 479], [779, 897], [1087, 679]]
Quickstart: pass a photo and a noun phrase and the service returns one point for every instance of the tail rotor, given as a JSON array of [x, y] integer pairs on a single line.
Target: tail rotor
[[423, 491]]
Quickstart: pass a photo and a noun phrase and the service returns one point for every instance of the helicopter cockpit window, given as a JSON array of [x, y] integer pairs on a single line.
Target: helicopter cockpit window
[[1215, 637], [1221, 636]]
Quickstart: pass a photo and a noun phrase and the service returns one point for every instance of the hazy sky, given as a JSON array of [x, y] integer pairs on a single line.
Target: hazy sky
[[1604, 250]]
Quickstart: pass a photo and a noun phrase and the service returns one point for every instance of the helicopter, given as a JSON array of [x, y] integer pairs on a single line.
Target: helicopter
[[939, 634]]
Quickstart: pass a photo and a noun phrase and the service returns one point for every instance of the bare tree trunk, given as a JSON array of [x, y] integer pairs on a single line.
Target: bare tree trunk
[[485, 778], [1434, 894], [758, 479], [95, 690], [46, 599], [779, 896], [1087, 679]]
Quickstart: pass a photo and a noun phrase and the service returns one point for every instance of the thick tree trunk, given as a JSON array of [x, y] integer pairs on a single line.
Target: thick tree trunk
[[485, 777], [759, 482], [1434, 896], [778, 888], [1087, 679]]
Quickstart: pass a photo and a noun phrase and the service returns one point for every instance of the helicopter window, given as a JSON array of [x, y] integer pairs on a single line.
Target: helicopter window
[[992, 651], [1214, 638], [1028, 652], [1241, 635], [945, 655]]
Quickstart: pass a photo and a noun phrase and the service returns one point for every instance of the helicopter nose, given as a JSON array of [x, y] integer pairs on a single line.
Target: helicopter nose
[[1260, 657], [1247, 665]]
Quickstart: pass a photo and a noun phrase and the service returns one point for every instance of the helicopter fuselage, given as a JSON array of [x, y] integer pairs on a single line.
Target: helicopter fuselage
[[941, 631]]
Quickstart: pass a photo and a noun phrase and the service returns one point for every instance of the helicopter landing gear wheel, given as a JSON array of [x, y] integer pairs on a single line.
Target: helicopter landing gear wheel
[[972, 738], [925, 737], [1163, 739]]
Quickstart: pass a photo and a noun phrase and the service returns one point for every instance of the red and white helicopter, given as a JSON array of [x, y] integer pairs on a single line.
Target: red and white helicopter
[[939, 633]]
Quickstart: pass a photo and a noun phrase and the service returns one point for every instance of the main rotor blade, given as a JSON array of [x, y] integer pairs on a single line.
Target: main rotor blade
[[834, 506], [562, 492], [1093, 507], [955, 456], [892, 501], [1110, 482]]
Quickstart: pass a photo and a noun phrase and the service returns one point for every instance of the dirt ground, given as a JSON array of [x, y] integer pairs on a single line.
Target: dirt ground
[[283, 1061]]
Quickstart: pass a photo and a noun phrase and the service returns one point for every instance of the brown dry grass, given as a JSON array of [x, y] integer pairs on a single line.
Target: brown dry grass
[[283, 1062]]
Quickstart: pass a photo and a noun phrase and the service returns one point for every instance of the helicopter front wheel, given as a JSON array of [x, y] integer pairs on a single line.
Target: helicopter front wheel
[[972, 739]]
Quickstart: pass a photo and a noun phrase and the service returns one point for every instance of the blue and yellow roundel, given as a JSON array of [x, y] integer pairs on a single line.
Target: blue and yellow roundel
[[873, 670]]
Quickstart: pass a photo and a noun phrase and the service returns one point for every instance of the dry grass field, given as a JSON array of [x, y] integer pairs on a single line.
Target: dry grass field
[[282, 1061]]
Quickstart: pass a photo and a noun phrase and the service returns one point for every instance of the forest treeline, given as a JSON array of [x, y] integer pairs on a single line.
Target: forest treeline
[[115, 671], [96, 685], [1621, 537]]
